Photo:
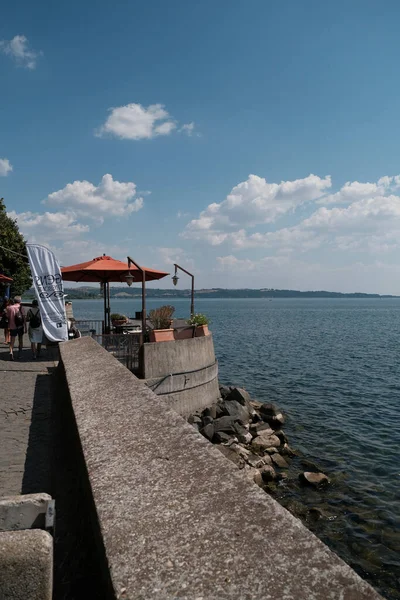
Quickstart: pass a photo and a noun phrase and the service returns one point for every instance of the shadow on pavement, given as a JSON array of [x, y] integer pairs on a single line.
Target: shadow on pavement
[[38, 462]]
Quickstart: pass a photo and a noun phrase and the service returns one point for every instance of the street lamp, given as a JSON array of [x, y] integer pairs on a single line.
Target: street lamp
[[175, 277], [175, 281], [129, 279]]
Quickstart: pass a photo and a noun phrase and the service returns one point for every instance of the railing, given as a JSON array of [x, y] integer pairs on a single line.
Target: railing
[[89, 326], [124, 346]]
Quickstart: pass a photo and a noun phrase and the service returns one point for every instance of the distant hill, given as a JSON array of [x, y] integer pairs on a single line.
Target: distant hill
[[91, 292]]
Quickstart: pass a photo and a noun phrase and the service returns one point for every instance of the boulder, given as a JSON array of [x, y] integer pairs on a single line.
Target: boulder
[[211, 411], [219, 409], [239, 449], [225, 424], [282, 436], [268, 473], [246, 438], [233, 408], [206, 420], [224, 390], [267, 460], [279, 461], [208, 431], [240, 395], [315, 479], [194, 419], [223, 438], [287, 450], [262, 442], [258, 478], [275, 421], [253, 475], [260, 427], [271, 450], [255, 461], [255, 404], [232, 456], [268, 410]]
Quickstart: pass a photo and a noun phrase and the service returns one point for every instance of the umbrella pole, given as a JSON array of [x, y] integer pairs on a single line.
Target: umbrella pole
[[143, 303], [105, 307], [108, 307]]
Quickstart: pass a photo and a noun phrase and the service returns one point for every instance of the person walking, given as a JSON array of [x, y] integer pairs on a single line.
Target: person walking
[[35, 330], [4, 319], [17, 326]]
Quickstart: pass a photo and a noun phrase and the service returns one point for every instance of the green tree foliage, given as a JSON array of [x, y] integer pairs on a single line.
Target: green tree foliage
[[11, 264]]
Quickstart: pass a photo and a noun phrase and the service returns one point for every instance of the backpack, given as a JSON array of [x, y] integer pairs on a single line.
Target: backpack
[[35, 319], [19, 319]]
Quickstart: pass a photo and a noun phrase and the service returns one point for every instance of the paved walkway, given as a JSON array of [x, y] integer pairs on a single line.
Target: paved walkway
[[25, 420]]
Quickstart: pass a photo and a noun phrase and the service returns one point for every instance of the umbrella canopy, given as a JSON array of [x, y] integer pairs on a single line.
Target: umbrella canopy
[[106, 269], [5, 279]]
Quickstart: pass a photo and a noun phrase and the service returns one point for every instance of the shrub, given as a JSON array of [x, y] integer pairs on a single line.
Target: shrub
[[117, 317], [198, 319], [161, 317]]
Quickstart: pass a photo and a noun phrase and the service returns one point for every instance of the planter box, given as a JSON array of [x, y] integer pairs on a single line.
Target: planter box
[[184, 333], [161, 335], [202, 330]]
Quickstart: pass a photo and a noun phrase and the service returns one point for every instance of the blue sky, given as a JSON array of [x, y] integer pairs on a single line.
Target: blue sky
[[255, 143]]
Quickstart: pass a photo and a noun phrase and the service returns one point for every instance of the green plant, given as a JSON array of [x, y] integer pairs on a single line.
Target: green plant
[[12, 260], [198, 319], [117, 317], [161, 317]]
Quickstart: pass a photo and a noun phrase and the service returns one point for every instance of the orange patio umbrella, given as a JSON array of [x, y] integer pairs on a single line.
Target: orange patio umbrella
[[5, 279], [104, 269]]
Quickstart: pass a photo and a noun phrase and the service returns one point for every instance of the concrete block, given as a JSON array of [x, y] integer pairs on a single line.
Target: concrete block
[[24, 512], [26, 559]]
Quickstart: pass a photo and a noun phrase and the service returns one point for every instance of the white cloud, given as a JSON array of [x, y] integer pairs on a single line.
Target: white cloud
[[5, 167], [109, 198], [188, 129], [367, 214], [48, 226], [354, 190], [369, 223], [253, 202], [18, 49], [136, 122]]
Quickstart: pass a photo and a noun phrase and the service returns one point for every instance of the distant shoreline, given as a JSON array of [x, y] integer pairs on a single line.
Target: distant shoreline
[[121, 293]]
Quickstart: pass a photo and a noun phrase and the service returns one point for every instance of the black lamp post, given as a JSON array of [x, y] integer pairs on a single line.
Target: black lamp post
[[175, 281], [129, 280]]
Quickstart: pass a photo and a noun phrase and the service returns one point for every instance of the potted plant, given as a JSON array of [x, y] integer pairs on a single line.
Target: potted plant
[[201, 322], [161, 320], [117, 320]]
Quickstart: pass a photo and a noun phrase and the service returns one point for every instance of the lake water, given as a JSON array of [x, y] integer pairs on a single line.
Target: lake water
[[332, 365]]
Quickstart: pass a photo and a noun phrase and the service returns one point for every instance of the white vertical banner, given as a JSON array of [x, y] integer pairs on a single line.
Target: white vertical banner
[[48, 284]]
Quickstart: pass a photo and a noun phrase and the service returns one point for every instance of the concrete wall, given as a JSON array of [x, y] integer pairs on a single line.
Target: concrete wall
[[184, 372], [176, 519]]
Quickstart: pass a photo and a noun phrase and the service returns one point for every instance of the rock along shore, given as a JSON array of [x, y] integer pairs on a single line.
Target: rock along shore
[[250, 434]]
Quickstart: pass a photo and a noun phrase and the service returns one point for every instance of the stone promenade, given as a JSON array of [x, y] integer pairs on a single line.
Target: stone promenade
[[25, 421]]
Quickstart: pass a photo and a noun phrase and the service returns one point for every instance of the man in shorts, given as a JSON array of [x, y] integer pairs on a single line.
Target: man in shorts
[[17, 325]]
